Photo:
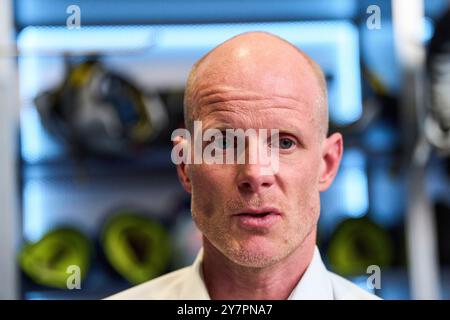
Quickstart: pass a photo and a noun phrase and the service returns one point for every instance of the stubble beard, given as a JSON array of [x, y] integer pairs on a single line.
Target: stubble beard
[[240, 252]]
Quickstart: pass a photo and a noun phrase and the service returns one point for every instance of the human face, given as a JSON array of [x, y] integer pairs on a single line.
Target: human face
[[223, 193], [256, 219]]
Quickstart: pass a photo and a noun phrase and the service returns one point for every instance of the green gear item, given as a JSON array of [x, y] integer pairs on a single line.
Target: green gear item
[[46, 262], [137, 247], [357, 244]]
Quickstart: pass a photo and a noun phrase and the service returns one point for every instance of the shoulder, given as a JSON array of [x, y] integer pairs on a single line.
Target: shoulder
[[346, 290], [165, 287]]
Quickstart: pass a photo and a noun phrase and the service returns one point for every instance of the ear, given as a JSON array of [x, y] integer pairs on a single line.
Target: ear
[[332, 149], [183, 168]]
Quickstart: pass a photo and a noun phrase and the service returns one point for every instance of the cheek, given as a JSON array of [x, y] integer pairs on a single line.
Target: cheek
[[301, 172], [301, 185], [208, 189]]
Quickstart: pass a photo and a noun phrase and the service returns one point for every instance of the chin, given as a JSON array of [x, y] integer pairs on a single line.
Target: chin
[[255, 254]]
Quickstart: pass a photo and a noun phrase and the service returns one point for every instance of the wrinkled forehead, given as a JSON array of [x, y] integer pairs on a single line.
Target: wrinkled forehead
[[283, 114], [258, 96]]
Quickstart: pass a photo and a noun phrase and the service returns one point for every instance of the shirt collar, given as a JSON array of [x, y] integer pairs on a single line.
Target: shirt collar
[[315, 283], [195, 288]]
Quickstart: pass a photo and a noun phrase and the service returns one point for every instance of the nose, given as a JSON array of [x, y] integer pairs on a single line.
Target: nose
[[251, 179]]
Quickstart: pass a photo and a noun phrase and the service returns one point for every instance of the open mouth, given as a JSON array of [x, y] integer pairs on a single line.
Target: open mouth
[[256, 215], [257, 219]]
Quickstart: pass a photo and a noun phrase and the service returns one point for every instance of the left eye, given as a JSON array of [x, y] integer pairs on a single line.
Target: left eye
[[286, 143], [283, 143]]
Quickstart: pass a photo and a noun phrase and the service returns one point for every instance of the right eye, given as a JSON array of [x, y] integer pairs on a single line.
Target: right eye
[[222, 142]]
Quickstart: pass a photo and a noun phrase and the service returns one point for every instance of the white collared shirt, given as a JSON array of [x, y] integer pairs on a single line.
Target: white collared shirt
[[317, 283]]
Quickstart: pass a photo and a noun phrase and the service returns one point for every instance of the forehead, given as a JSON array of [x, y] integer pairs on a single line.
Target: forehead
[[250, 110]]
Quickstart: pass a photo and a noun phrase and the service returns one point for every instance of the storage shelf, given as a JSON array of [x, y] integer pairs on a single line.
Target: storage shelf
[[155, 161]]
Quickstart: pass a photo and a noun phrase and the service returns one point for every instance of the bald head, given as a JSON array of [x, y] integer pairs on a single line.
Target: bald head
[[258, 63]]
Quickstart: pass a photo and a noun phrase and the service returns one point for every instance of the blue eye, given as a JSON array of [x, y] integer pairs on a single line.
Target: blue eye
[[283, 143], [223, 143], [286, 143]]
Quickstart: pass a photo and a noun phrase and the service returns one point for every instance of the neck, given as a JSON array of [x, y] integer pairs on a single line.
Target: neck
[[226, 280]]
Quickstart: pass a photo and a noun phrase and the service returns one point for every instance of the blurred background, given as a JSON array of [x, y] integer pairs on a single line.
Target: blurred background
[[90, 92]]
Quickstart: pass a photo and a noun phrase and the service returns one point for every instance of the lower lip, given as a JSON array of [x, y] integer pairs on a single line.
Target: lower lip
[[257, 222]]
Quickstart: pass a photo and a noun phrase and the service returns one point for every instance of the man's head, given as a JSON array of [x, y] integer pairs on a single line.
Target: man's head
[[259, 81]]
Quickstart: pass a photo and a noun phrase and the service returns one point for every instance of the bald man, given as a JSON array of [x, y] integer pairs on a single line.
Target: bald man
[[259, 227]]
